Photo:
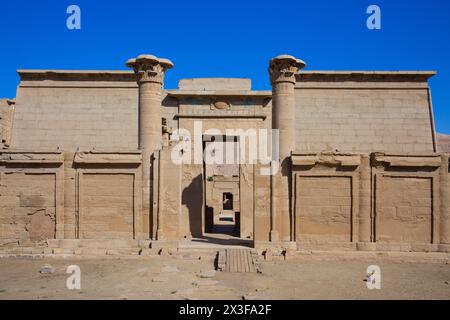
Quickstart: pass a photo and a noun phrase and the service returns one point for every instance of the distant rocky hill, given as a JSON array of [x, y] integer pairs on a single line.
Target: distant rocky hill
[[443, 141]]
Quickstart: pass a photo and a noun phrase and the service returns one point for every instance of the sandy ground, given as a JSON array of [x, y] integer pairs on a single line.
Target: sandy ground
[[131, 278]]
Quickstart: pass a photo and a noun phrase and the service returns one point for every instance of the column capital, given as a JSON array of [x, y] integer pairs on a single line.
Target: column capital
[[149, 68], [283, 68]]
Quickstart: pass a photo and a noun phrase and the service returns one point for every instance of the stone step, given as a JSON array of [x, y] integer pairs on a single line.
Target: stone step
[[96, 244]]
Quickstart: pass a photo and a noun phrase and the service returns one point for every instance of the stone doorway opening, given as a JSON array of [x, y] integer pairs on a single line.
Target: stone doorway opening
[[227, 201], [222, 214]]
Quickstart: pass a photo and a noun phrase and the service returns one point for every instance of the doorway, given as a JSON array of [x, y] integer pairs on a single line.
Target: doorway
[[222, 190], [227, 201]]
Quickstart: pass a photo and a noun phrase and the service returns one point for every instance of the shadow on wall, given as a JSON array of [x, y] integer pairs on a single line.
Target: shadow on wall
[[192, 198]]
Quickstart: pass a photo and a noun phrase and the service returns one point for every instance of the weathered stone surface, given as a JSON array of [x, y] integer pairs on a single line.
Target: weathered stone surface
[[160, 279], [27, 206], [108, 209], [6, 117], [359, 112], [170, 269], [185, 292], [211, 84], [404, 210], [358, 163], [324, 208], [205, 283], [207, 274], [47, 269]]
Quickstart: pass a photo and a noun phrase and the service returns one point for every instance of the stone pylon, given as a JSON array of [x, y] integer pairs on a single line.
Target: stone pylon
[[150, 72], [282, 70]]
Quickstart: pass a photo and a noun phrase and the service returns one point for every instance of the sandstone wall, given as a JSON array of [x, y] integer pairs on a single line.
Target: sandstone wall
[[363, 113], [445, 200], [167, 219], [262, 200], [393, 202], [219, 111], [30, 197], [6, 117], [108, 206], [407, 200], [324, 208], [83, 195], [28, 207], [404, 211], [326, 199], [73, 110], [405, 207]]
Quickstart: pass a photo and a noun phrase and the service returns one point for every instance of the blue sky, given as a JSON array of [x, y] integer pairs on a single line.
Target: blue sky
[[229, 38]]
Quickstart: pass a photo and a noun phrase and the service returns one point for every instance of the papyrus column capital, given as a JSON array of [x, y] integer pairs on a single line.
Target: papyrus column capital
[[283, 68], [149, 68]]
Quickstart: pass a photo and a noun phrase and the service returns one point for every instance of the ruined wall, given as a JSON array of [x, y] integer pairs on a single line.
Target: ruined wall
[[407, 201], [6, 117], [192, 201], [96, 195], [445, 202], [366, 112], [28, 206], [108, 206], [84, 195], [324, 208], [262, 207], [30, 197], [167, 219], [73, 110], [326, 198], [404, 210], [399, 203], [108, 195]]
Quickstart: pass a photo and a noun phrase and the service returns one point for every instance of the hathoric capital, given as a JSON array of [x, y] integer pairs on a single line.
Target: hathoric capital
[[149, 68], [284, 67]]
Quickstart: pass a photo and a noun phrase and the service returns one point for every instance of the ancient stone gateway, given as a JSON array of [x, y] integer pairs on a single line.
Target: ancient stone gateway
[[325, 160]]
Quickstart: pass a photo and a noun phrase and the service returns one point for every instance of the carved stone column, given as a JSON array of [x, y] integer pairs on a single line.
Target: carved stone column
[[150, 72], [282, 70], [445, 203]]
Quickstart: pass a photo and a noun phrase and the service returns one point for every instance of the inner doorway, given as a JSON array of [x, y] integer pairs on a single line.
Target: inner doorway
[[222, 189], [228, 201]]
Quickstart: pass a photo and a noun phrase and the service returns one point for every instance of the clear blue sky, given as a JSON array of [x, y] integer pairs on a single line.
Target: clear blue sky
[[229, 38]]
